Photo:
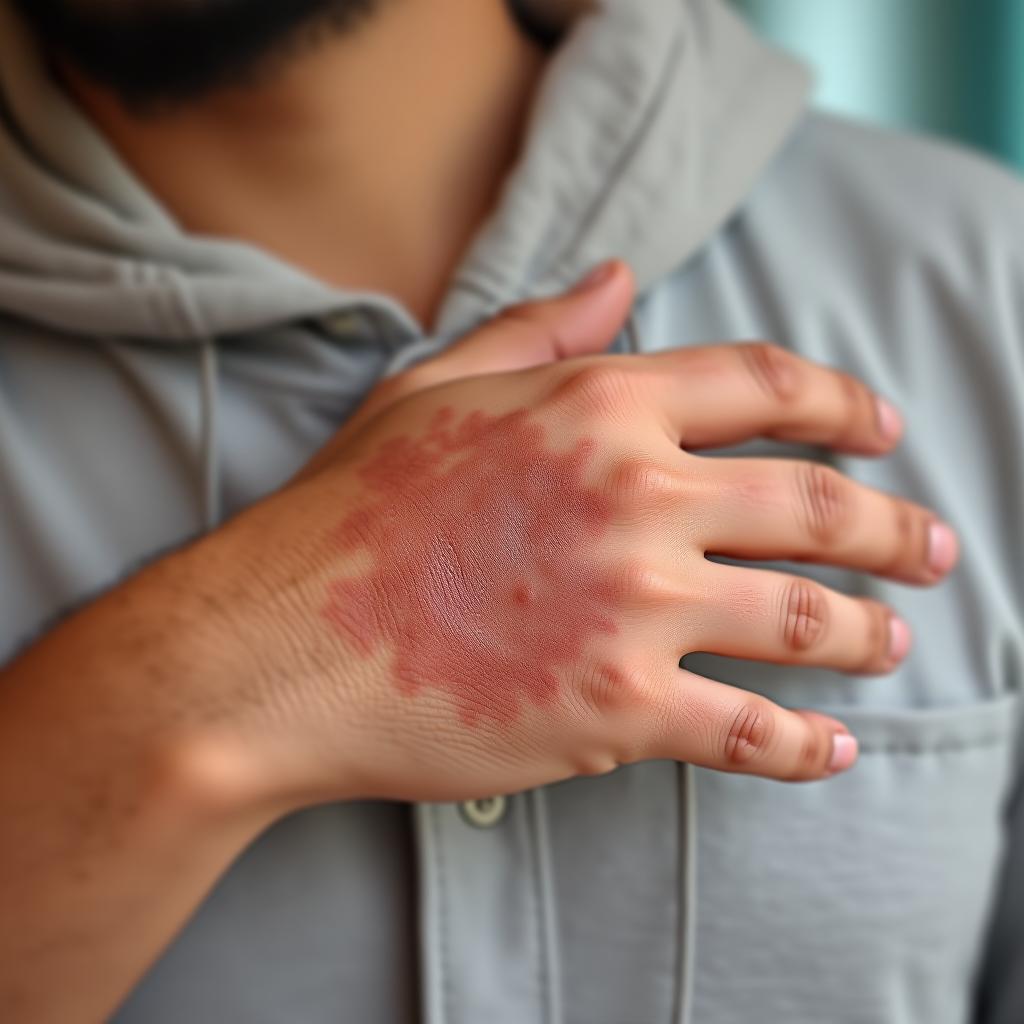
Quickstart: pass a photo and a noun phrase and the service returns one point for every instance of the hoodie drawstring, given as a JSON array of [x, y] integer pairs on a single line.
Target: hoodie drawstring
[[209, 454], [208, 440]]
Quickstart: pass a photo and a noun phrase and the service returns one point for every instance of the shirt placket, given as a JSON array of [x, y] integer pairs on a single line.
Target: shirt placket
[[487, 913]]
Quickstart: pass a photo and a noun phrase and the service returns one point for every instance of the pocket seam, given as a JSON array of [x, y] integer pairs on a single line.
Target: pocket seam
[[994, 740]]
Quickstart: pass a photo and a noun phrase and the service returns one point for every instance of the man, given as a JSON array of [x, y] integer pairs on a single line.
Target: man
[[349, 755]]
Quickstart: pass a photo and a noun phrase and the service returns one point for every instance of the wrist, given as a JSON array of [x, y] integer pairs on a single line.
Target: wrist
[[113, 705], [282, 725], [210, 754]]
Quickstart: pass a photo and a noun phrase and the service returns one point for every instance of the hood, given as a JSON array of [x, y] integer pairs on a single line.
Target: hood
[[650, 126]]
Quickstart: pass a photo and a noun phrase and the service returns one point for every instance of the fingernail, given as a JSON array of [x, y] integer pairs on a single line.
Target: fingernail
[[942, 547], [597, 277], [899, 638], [844, 752], [890, 422]]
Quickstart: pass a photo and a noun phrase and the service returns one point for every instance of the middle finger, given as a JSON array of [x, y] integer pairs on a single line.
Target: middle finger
[[789, 509]]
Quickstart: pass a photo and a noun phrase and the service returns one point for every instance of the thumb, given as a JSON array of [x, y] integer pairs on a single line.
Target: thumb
[[582, 321]]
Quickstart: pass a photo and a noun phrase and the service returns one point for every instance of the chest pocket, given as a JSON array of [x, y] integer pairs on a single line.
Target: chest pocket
[[862, 899]]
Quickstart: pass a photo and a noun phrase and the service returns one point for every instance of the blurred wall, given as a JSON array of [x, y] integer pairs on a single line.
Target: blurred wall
[[952, 67]]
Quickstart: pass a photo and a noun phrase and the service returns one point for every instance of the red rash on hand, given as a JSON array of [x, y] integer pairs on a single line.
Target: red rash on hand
[[483, 582]]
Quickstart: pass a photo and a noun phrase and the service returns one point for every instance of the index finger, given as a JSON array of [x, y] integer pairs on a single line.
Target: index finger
[[725, 394]]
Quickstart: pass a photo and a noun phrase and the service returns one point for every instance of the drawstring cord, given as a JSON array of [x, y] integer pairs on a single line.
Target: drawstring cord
[[209, 455], [208, 483], [208, 440]]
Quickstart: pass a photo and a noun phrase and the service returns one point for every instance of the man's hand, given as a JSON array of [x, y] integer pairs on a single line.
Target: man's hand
[[487, 581]]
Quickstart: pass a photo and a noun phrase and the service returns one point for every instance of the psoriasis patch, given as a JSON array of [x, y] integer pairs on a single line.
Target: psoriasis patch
[[482, 582]]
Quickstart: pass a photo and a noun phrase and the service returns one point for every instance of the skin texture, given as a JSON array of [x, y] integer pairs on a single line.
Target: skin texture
[[480, 590]]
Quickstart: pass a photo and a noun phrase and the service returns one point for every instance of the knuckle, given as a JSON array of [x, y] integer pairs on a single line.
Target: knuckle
[[606, 688], [903, 551], [750, 733], [775, 371], [804, 615], [811, 756], [643, 483], [859, 408], [825, 502], [910, 537], [591, 762], [595, 389], [635, 584], [906, 524], [876, 640]]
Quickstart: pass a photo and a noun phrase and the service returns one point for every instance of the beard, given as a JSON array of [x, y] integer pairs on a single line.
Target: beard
[[162, 53]]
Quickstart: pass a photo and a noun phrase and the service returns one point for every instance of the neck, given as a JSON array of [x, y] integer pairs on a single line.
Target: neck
[[368, 162]]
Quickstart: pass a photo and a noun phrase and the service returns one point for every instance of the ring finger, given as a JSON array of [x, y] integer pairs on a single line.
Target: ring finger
[[764, 615]]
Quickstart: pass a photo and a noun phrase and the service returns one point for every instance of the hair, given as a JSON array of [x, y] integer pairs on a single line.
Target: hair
[[156, 53]]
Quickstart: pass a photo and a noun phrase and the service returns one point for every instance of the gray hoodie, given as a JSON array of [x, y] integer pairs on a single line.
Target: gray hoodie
[[153, 382]]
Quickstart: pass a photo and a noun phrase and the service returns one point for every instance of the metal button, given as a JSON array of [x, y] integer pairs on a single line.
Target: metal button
[[346, 323], [485, 812]]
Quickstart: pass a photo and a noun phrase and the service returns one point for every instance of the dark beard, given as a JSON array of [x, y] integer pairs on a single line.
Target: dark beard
[[161, 53]]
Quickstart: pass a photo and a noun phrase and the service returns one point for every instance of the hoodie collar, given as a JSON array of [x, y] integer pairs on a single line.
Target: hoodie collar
[[649, 128]]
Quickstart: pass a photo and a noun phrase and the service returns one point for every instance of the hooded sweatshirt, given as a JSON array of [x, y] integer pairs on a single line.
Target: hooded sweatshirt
[[153, 382]]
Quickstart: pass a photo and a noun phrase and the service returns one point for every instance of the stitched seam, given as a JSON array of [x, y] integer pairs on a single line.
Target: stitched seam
[[543, 980], [442, 918], [937, 748]]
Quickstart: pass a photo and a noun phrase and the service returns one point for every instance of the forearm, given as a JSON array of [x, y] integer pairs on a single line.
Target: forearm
[[120, 806]]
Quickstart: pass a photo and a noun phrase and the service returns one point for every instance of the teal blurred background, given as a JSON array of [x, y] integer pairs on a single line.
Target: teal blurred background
[[950, 67]]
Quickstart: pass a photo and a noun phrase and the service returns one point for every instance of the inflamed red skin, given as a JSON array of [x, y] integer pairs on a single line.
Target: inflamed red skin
[[483, 584]]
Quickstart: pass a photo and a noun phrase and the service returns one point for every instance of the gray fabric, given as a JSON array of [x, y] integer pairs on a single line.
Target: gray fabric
[[863, 899]]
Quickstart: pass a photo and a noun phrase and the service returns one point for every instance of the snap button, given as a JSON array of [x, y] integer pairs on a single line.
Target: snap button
[[485, 812], [346, 323]]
